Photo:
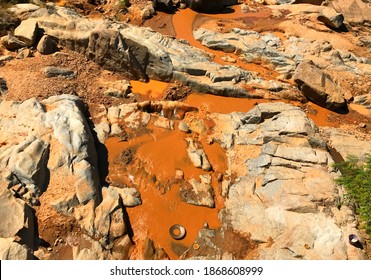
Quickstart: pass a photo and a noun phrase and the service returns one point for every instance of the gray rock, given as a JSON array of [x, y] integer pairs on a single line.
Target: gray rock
[[5, 58], [47, 45], [24, 53], [287, 190], [52, 71], [16, 219], [331, 18], [11, 43], [197, 155], [319, 87], [11, 250], [3, 86], [27, 31], [130, 196], [364, 100], [199, 193], [356, 12]]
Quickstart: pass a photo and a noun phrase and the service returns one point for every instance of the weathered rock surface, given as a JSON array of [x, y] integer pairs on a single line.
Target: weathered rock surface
[[27, 31], [11, 250], [52, 71], [141, 52], [197, 155], [345, 143], [200, 192], [286, 191], [331, 18], [355, 11], [3, 86], [12, 43], [47, 45], [319, 87]]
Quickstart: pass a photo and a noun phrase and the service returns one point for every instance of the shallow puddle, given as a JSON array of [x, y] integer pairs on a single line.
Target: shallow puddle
[[151, 90], [157, 156]]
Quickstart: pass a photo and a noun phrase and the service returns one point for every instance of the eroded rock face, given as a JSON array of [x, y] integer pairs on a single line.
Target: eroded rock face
[[319, 87], [287, 191], [142, 53]]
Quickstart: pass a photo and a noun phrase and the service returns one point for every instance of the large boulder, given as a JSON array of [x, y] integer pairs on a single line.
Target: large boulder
[[356, 12], [331, 18], [28, 32], [319, 87]]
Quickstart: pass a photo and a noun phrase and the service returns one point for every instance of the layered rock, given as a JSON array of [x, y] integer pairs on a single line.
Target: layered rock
[[48, 141], [285, 192], [140, 52]]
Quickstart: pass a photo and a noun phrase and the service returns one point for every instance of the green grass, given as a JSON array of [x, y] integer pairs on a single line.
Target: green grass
[[356, 179]]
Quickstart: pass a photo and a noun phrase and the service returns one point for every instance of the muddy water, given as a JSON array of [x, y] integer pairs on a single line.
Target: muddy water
[[184, 23], [151, 90], [157, 156]]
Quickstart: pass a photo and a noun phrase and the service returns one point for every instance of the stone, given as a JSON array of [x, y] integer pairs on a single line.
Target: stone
[[17, 219], [364, 100], [346, 144], [11, 43], [3, 86], [52, 71], [47, 45], [200, 192], [24, 53], [319, 87], [331, 18], [27, 31], [11, 250], [5, 58], [356, 12], [183, 127], [288, 188], [130, 196], [24, 9], [197, 155]]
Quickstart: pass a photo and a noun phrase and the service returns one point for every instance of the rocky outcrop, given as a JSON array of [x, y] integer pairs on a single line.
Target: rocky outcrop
[[356, 12], [345, 143], [319, 87], [285, 191], [142, 53]]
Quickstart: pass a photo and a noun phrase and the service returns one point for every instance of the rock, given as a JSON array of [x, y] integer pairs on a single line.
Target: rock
[[319, 87], [24, 53], [200, 192], [364, 100], [166, 6], [331, 18], [47, 45], [5, 58], [27, 32], [52, 71], [11, 43], [11, 250], [148, 11], [24, 9], [356, 12], [288, 187], [345, 143], [164, 123], [183, 127], [197, 155], [17, 219], [130, 196], [143, 53], [3, 86]]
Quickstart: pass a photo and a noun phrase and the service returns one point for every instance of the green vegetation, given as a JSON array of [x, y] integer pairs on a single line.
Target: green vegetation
[[356, 179]]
